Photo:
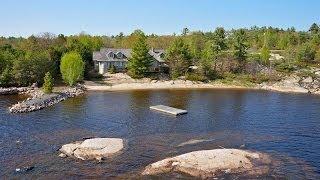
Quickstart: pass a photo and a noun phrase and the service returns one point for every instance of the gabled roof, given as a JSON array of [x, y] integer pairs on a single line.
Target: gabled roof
[[156, 53], [103, 54]]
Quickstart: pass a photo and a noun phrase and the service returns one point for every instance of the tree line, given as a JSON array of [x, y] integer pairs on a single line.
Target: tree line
[[216, 54], [24, 61]]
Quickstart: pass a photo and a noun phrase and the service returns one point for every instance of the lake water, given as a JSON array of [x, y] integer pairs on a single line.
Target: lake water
[[286, 126]]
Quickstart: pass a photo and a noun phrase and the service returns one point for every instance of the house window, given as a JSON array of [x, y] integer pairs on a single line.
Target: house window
[[119, 55], [111, 55]]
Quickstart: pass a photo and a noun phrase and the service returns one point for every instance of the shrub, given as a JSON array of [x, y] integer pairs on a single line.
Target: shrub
[[306, 53], [113, 69], [284, 67], [94, 74], [48, 83], [72, 68], [5, 78], [195, 77], [259, 78], [317, 56], [306, 73]]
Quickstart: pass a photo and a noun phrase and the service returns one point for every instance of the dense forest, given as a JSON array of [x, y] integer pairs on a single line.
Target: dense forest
[[219, 54]]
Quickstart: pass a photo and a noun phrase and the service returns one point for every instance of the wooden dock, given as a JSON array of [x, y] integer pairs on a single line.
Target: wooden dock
[[169, 110]]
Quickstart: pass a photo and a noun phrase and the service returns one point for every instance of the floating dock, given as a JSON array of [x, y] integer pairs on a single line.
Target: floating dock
[[169, 110]]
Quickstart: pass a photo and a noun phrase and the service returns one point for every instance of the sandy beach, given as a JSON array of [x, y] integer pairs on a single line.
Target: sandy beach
[[120, 82], [91, 86]]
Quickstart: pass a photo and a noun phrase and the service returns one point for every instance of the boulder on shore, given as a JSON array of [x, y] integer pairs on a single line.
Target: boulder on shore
[[210, 163], [96, 148]]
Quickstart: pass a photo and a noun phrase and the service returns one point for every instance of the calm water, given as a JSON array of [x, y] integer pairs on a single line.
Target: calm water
[[287, 126]]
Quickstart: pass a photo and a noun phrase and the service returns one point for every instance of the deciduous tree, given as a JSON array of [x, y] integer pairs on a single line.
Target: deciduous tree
[[72, 68]]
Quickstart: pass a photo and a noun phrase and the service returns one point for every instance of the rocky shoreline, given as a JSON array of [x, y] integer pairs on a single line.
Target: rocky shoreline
[[39, 100], [15, 90], [294, 84]]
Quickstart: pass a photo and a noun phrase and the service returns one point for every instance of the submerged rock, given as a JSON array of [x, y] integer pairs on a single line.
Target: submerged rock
[[24, 169], [210, 163], [195, 141], [96, 148]]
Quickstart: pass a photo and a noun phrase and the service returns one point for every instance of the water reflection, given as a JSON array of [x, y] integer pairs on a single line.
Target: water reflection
[[284, 125]]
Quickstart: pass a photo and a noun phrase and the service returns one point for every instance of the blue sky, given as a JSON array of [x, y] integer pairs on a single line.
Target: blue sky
[[109, 17]]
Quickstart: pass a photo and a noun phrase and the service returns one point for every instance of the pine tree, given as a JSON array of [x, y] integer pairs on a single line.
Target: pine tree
[[178, 58], [265, 52], [314, 29], [139, 63], [209, 56], [265, 55], [240, 46], [48, 83]]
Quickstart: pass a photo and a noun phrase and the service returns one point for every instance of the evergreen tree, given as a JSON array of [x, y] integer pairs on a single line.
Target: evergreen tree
[[265, 52], [314, 29], [265, 55], [48, 83], [208, 57], [140, 61], [306, 53], [240, 46], [220, 38], [178, 58]]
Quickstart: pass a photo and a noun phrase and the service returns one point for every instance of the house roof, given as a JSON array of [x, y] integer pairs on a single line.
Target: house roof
[[103, 54]]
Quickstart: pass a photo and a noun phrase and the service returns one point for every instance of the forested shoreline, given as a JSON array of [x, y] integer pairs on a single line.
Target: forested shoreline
[[234, 54]]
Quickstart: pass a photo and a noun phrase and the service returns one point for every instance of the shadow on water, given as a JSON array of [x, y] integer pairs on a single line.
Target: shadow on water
[[285, 126]]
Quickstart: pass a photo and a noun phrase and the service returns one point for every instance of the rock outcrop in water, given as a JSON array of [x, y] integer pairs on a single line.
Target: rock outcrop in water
[[210, 163], [39, 100], [96, 148]]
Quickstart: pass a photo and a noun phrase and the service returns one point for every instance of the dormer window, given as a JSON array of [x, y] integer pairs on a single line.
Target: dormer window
[[119, 55], [111, 55]]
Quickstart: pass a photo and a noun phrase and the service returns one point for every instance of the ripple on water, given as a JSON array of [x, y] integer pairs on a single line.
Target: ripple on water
[[284, 125]]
